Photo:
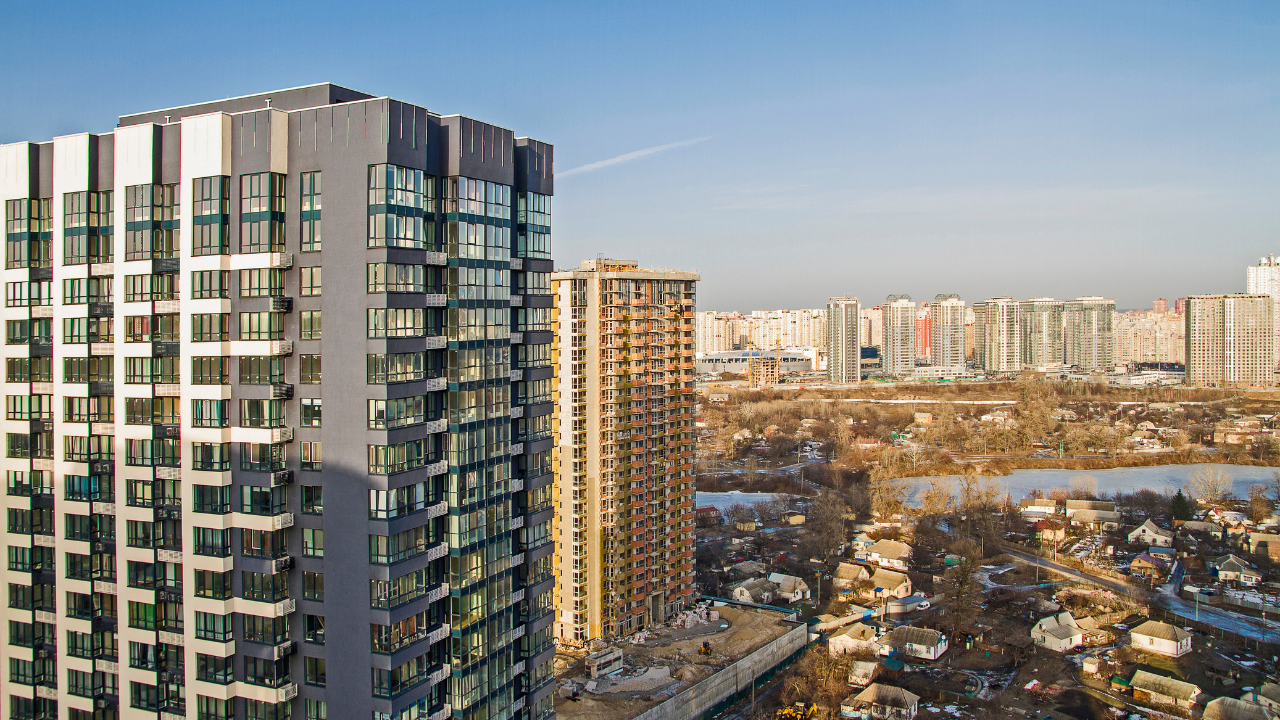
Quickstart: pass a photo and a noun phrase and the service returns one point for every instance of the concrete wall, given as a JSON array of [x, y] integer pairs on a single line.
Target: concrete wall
[[705, 695]]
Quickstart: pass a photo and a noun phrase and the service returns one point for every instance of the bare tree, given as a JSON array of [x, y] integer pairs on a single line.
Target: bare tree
[[888, 494], [937, 500], [1259, 505], [741, 512], [826, 524], [960, 585], [1210, 484], [1084, 487]]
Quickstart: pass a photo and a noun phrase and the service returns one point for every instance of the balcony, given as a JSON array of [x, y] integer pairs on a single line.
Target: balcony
[[281, 391], [281, 477], [281, 304], [438, 258]]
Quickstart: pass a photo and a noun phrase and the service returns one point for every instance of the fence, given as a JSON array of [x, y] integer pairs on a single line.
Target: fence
[[1248, 643]]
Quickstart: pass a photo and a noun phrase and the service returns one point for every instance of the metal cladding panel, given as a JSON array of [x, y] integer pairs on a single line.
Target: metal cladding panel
[[170, 159], [104, 161], [408, 128], [535, 166], [292, 99], [44, 181], [478, 150]]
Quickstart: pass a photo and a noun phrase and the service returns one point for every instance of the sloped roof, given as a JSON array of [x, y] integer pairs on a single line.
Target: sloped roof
[[857, 631], [850, 571], [788, 584], [1161, 631], [891, 549], [1226, 708], [1154, 529], [908, 635], [1096, 516], [1091, 505], [757, 587], [862, 668], [1152, 560], [1161, 685], [889, 695], [1200, 526], [888, 579]]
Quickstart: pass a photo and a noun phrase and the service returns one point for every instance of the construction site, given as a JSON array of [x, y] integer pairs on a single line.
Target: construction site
[[704, 657]]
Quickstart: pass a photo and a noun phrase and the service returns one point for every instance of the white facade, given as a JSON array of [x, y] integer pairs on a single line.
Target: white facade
[[946, 330], [997, 345], [844, 340], [898, 355]]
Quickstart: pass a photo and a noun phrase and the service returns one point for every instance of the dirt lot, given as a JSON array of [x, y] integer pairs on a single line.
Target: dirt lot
[[1022, 574]]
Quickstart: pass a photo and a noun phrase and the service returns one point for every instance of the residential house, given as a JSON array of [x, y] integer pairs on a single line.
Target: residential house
[[862, 542], [1232, 569], [854, 639], [1059, 633], [1160, 690], [793, 518], [849, 575], [1039, 506], [708, 516], [756, 590], [890, 584], [863, 672], [1149, 566], [1148, 533], [1265, 543], [1226, 517], [1075, 506], [888, 554], [1051, 530], [1096, 519], [881, 701], [1199, 527], [1267, 696], [745, 526], [1160, 638], [1094, 633], [790, 587], [748, 568], [1227, 708], [916, 642]]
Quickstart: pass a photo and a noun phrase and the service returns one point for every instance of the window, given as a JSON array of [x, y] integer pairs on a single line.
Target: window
[[311, 277], [211, 584], [477, 197], [261, 282], [210, 370], [477, 241], [149, 288], [84, 488], [86, 330], [312, 500], [262, 213], [209, 413], [208, 708], [265, 587], [472, 283], [397, 322], [312, 542], [211, 216], [391, 459], [212, 499], [40, 369], [150, 370], [401, 412], [265, 631], [29, 293], [309, 325], [151, 328], [261, 369], [534, 225], [316, 709], [152, 411], [29, 233], [211, 327], [29, 407], [216, 628], [310, 411], [315, 671], [211, 457], [261, 457], [398, 198], [313, 589], [212, 542], [391, 277], [87, 227], [214, 669], [309, 369], [261, 326], [309, 189], [78, 291], [35, 331], [151, 222], [311, 456], [210, 284], [261, 413], [263, 500]]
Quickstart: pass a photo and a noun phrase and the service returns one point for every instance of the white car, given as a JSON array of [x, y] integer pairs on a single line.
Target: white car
[[924, 605]]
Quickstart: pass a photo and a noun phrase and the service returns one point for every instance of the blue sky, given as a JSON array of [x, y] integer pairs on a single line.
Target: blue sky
[[807, 149]]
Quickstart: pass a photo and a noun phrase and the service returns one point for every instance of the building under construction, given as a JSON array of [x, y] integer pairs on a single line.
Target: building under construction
[[624, 348]]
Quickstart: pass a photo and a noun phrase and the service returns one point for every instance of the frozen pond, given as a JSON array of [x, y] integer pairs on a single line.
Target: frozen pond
[[1020, 483], [722, 500]]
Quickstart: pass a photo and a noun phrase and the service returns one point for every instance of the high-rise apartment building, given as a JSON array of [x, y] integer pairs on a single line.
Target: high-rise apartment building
[[947, 328], [762, 330], [625, 429], [1040, 331], [970, 322], [898, 355], [1231, 341], [1087, 332], [997, 346], [1180, 306], [1264, 278], [1150, 338], [1160, 306], [172, 473], [871, 331], [923, 333], [844, 340]]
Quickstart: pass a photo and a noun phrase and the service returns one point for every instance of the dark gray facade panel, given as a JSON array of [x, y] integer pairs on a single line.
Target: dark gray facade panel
[[535, 165], [478, 150], [170, 153], [44, 169], [105, 161]]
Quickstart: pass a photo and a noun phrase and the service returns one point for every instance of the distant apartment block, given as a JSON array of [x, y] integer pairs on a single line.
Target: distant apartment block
[[871, 328], [898, 354], [1160, 306], [922, 332], [1230, 341], [997, 344], [844, 340], [947, 331], [1264, 278], [1150, 338], [1087, 333], [624, 348], [1040, 331], [762, 330]]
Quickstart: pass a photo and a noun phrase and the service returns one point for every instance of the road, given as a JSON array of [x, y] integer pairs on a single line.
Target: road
[[1168, 599]]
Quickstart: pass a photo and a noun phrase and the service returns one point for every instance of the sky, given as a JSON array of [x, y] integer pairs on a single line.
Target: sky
[[789, 152]]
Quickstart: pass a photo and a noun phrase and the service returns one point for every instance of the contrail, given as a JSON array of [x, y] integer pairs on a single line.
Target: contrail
[[630, 156]]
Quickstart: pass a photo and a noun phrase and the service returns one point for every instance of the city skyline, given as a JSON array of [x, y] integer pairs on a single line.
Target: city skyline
[[985, 151]]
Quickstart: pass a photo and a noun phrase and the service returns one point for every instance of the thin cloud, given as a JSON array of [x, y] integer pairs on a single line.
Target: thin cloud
[[630, 156]]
